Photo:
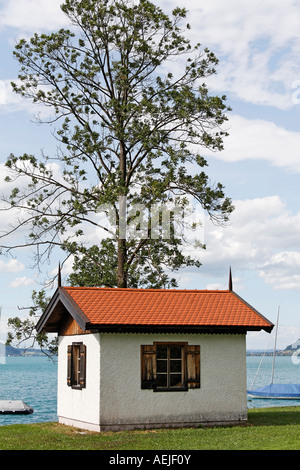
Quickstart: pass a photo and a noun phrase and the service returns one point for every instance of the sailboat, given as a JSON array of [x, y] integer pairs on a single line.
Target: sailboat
[[13, 406], [276, 391]]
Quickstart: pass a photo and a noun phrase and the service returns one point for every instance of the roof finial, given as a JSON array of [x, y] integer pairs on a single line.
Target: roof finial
[[59, 276], [230, 280]]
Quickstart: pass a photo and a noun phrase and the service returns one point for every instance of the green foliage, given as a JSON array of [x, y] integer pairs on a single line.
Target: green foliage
[[98, 266]]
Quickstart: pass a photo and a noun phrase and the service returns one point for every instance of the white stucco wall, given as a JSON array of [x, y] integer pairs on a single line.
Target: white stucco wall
[[221, 397], [80, 407], [122, 402]]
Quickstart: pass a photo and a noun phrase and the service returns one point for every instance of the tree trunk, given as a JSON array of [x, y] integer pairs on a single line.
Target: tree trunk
[[122, 251], [122, 270]]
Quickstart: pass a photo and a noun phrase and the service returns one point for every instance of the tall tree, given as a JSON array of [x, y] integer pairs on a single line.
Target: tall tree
[[127, 93]]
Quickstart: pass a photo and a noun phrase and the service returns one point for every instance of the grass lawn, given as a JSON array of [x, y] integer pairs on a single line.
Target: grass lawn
[[266, 429]]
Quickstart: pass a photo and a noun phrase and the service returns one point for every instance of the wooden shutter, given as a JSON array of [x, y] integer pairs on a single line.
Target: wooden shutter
[[82, 365], [193, 366], [69, 366], [148, 366]]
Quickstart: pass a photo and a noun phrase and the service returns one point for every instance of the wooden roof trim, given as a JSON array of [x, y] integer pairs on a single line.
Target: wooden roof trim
[[74, 310], [61, 295], [47, 313]]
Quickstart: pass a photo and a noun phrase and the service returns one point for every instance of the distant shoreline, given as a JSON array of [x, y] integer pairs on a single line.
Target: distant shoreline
[[11, 351], [289, 352]]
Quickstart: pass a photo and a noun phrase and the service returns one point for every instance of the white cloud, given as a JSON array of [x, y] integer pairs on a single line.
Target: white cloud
[[256, 139], [257, 43], [12, 266], [261, 340], [282, 270], [216, 286], [32, 15], [22, 282], [263, 236], [10, 101]]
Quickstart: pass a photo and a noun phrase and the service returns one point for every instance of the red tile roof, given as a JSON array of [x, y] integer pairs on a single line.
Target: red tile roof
[[158, 307]]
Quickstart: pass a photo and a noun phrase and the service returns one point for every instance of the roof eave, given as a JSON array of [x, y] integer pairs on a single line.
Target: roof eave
[[269, 327], [61, 295], [207, 329]]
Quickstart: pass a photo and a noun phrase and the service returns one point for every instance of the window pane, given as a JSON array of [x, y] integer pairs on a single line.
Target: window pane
[[175, 352], [161, 380], [175, 380], [169, 364], [175, 365], [75, 365], [161, 352], [162, 365]]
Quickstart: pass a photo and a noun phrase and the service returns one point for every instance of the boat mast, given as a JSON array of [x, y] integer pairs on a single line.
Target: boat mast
[[274, 352]]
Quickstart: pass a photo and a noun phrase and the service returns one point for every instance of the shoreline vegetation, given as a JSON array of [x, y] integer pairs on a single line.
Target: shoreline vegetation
[[266, 429]]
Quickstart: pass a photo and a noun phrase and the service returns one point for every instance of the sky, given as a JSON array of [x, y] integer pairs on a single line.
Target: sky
[[258, 47]]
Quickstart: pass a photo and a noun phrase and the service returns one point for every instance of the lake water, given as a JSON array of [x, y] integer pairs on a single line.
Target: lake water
[[260, 369], [34, 380]]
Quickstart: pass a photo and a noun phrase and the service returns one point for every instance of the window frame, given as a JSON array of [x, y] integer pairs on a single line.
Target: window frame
[[76, 365], [169, 373], [190, 367]]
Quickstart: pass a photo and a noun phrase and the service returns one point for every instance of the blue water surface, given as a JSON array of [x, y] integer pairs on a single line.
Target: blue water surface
[[259, 374], [33, 380]]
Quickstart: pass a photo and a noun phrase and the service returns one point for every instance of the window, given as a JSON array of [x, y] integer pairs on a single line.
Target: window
[[76, 365], [170, 366]]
